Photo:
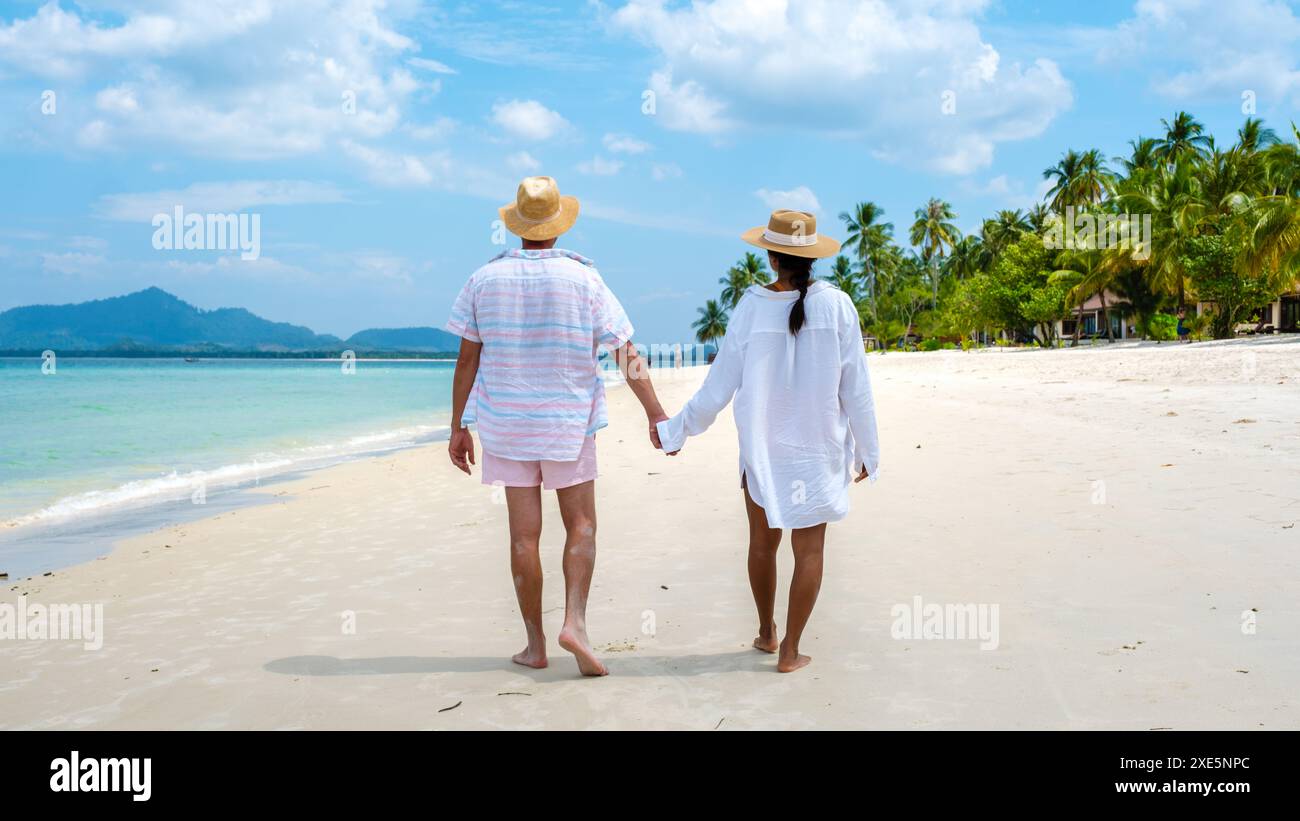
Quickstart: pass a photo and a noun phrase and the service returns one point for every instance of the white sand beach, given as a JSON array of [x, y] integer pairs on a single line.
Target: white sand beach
[[1127, 509]]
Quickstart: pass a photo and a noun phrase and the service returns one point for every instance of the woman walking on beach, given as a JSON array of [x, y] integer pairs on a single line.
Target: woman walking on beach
[[793, 360]]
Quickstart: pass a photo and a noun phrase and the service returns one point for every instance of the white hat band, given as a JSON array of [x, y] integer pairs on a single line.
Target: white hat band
[[789, 239]]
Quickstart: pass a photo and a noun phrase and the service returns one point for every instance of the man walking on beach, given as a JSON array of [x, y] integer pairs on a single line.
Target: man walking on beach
[[532, 323]]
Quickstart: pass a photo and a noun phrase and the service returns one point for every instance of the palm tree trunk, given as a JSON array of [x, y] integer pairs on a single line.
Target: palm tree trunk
[[1105, 316], [1078, 327]]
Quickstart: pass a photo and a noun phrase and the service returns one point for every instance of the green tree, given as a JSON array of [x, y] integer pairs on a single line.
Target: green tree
[[750, 270], [712, 323], [868, 237], [1211, 265], [933, 232], [1184, 139]]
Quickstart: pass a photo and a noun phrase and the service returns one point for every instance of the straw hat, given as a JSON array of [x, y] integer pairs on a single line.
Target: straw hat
[[539, 212], [793, 233]]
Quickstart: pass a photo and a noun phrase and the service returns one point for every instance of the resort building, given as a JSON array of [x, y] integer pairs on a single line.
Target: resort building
[[1093, 318], [1284, 313]]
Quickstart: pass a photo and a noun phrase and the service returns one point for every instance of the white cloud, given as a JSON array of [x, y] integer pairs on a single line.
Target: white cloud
[[874, 71], [1213, 49], [93, 134], [86, 243], [796, 199], [431, 65], [391, 170], [665, 171], [600, 167], [72, 263], [117, 99], [624, 144], [436, 170], [686, 107], [381, 266], [216, 198], [523, 161], [528, 119], [243, 79], [262, 269], [436, 130]]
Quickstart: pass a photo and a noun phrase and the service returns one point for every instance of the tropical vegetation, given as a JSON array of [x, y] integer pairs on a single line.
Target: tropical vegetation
[[1179, 221]]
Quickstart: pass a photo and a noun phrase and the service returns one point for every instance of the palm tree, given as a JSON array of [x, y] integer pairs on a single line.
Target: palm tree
[[1184, 139], [843, 276], [1038, 217], [1078, 179], [1093, 181], [867, 237], [1142, 158], [1064, 176], [750, 270], [1083, 271], [712, 323], [1174, 201], [933, 232], [1004, 229], [1254, 136], [969, 256]]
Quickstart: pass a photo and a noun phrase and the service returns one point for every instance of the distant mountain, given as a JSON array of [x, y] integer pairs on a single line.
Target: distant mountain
[[430, 340], [154, 320]]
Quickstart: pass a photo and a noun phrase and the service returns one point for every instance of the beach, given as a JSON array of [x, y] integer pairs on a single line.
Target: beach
[[1126, 515]]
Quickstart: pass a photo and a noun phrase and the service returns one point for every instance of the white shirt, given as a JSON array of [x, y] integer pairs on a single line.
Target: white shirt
[[804, 411]]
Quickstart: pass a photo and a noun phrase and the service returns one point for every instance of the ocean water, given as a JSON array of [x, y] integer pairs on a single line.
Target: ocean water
[[99, 436]]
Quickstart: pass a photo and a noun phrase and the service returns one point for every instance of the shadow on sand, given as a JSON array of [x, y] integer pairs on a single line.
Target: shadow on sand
[[562, 665]]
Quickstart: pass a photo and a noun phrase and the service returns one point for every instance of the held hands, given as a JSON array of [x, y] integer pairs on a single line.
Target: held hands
[[461, 447], [655, 419]]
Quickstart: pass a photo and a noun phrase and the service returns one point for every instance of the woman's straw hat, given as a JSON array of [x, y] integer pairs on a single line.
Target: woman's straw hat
[[793, 233], [539, 212]]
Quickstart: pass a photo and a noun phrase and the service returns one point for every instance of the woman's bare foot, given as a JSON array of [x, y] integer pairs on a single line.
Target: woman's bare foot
[[575, 641], [530, 657], [784, 665], [790, 660], [767, 641]]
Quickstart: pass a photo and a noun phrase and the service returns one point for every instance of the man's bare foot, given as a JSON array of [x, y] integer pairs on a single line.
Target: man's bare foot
[[529, 657], [576, 643], [767, 641]]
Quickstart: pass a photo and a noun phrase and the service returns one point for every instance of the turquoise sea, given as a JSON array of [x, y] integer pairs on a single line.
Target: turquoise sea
[[98, 436]]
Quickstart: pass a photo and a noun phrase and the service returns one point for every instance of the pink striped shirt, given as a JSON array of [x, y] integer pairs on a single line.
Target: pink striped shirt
[[543, 317]]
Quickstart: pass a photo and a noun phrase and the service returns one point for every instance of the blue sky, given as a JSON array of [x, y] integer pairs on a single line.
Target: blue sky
[[374, 216]]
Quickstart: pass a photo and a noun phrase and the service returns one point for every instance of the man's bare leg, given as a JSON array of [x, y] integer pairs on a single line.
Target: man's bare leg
[[524, 505], [578, 510], [804, 587], [763, 544]]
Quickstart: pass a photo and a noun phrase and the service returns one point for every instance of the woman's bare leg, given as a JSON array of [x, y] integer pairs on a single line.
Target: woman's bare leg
[[763, 544], [524, 505], [804, 587]]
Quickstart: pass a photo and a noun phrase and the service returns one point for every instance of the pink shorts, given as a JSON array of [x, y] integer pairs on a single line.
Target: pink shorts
[[550, 475]]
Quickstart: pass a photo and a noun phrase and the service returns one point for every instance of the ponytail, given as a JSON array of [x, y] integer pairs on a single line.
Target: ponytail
[[800, 270]]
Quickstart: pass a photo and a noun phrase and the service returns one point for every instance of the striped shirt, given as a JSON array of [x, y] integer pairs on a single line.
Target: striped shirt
[[543, 317]]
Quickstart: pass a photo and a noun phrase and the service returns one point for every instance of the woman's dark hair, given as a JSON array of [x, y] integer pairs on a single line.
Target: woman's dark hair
[[800, 271]]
